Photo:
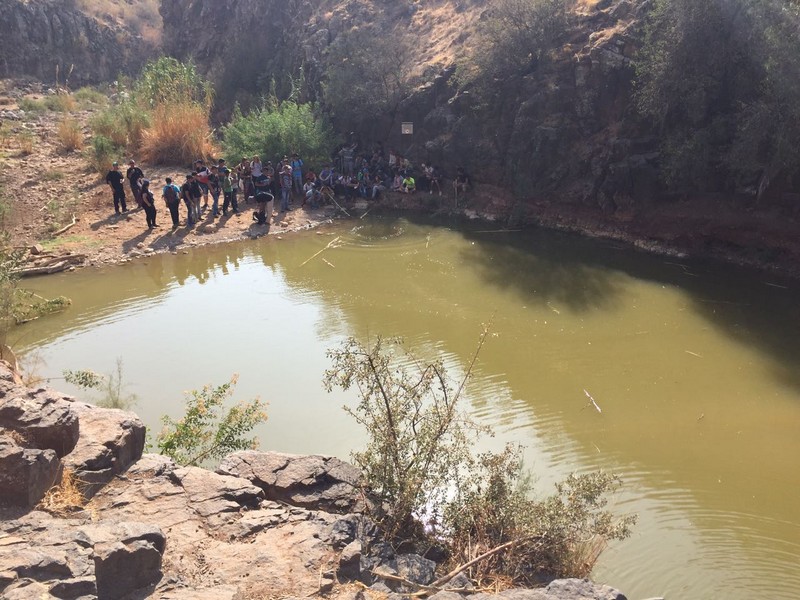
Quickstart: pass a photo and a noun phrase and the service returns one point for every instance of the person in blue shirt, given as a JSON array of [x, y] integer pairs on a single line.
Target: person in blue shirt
[[297, 172]]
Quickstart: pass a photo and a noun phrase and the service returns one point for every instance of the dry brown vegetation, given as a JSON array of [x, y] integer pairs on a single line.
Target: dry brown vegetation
[[140, 16], [70, 134], [178, 134], [65, 498]]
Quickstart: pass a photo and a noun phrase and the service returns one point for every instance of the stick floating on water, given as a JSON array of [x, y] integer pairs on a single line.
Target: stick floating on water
[[316, 254], [591, 400], [693, 353]]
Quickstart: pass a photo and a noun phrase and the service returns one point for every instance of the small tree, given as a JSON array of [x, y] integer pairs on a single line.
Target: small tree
[[418, 439], [207, 431], [419, 464]]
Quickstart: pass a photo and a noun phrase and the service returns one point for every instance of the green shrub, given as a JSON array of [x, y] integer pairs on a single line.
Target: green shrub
[[89, 97], [167, 80], [104, 153], [30, 105], [419, 465], [560, 535], [277, 128], [207, 431]]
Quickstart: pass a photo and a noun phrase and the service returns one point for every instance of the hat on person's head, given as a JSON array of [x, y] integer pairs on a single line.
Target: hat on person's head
[[115, 164], [132, 162]]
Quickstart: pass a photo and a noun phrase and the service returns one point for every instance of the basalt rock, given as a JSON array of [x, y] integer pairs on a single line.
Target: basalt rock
[[53, 38], [43, 418], [26, 474], [312, 482], [71, 558], [110, 441]]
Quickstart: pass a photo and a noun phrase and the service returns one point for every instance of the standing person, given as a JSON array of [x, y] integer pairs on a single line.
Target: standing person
[[228, 192], [434, 175], [148, 203], [256, 170], [135, 175], [195, 193], [286, 187], [172, 198], [202, 178], [114, 178], [186, 195], [297, 172], [213, 186], [245, 177]]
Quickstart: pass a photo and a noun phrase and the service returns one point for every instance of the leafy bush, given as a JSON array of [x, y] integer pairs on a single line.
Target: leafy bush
[[561, 535], [60, 103], [104, 153], [123, 124], [419, 464], [70, 135], [89, 97], [207, 432], [417, 438], [30, 105], [165, 116], [169, 81], [277, 128]]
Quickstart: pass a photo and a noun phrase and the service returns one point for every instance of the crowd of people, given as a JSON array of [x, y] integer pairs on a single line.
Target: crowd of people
[[348, 175]]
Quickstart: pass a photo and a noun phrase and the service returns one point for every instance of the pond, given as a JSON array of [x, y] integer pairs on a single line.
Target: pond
[[693, 368]]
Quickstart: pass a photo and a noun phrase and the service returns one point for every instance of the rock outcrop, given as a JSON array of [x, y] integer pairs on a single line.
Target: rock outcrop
[[265, 525], [40, 36], [313, 482]]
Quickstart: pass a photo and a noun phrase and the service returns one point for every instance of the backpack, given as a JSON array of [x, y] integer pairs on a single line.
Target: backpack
[[170, 195]]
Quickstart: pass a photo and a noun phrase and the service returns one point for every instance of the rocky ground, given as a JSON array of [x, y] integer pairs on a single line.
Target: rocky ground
[[263, 525]]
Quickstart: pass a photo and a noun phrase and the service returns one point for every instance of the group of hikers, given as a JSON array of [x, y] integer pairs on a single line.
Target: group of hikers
[[349, 175]]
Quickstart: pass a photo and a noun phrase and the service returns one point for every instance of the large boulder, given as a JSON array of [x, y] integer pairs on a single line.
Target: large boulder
[[71, 558], [26, 473], [314, 482], [44, 418], [110, 441]]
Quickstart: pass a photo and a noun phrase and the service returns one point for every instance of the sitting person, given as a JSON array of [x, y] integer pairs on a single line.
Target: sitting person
[[310, 194], [397, 183], [409, 185], [462, 182]]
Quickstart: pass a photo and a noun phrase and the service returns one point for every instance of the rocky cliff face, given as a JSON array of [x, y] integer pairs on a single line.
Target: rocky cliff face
[[567, 129], [44, 37]]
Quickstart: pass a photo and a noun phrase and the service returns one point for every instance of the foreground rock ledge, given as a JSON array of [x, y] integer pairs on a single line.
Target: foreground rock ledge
[[264, 525]]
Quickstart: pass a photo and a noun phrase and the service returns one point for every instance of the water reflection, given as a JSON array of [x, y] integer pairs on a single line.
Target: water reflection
[[694, 375]]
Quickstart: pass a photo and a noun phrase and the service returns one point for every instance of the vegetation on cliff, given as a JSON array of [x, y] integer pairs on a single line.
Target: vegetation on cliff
[[720, 81]]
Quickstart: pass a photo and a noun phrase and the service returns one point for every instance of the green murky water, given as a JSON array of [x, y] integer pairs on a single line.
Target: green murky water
[[695, 368]]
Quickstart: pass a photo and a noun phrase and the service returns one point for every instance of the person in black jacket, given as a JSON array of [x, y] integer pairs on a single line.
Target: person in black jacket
[[114, 179]]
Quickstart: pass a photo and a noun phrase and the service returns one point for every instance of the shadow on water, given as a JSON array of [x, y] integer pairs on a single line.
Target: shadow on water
[[752, 307]]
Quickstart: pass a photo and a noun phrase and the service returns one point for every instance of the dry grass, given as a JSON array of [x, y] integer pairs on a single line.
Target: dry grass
[[65, 498], [140, 16], [178, 134], [70, 135], [26, 141]]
